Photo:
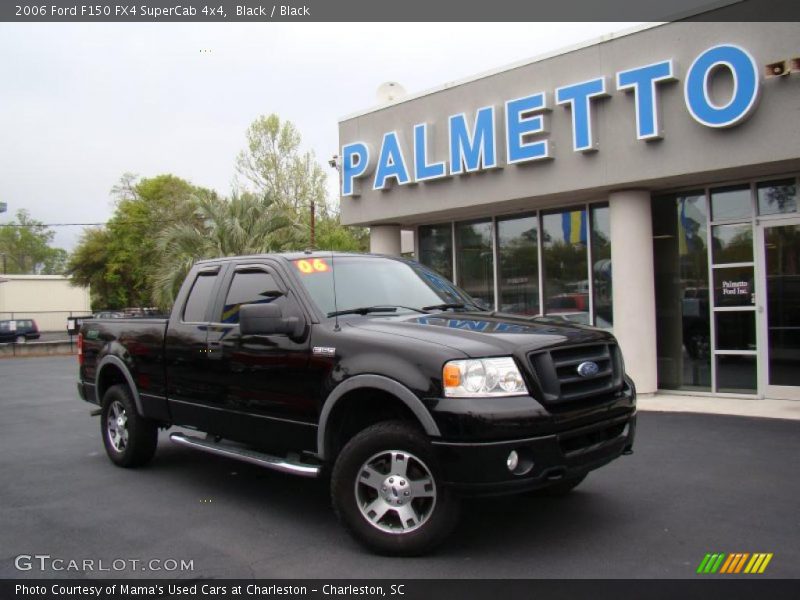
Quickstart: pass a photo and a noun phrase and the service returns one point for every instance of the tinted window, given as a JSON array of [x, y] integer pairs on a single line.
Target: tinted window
[[475, 261], [775, 197], [199, 297], [732, 243], [252, 287], [731, 203], [368, 281], [564, 255], [518, 251], [436, 248], [683, 325], [601, 266], [734, 286]]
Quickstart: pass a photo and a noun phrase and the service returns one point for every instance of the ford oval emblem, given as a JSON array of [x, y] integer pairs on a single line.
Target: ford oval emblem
[[588, 369]]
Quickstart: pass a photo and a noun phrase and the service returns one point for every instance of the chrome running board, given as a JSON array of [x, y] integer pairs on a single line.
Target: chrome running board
[[245, 455]]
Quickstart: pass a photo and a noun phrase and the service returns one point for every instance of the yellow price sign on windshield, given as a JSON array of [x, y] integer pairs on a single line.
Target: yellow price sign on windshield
[[310, 266]]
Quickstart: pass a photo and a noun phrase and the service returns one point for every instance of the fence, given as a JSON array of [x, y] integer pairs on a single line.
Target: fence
[[52, 327], [51, 322]]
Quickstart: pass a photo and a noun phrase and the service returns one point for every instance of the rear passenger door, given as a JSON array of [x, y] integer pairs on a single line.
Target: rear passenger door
[[264, 378], [192, 392]]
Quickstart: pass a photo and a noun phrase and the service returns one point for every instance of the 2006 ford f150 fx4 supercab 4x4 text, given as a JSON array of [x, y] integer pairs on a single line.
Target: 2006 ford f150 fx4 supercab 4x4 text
[[372, 371]]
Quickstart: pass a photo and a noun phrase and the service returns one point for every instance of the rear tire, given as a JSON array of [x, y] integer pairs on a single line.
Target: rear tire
[[387, 491], [130, 440], [21, 339]]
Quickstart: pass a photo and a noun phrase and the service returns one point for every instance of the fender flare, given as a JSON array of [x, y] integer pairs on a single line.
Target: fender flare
[[380, 382], [110, 359]]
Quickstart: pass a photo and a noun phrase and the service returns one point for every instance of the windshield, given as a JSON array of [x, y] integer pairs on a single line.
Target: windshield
[[363, 281]]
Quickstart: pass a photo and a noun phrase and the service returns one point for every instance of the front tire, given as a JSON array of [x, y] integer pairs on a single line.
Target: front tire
[[21, 339], [387, 491], [130, 439]]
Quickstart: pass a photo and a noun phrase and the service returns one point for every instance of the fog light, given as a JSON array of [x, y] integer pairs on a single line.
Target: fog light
[[512, 461]]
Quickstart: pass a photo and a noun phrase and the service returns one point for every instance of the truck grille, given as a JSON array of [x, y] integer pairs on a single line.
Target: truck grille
[[560, 381]]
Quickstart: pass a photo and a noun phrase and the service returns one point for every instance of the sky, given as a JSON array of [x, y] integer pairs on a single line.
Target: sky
[[81, 104]]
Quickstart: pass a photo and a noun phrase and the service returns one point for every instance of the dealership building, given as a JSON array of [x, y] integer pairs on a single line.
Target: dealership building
[[645, 183]]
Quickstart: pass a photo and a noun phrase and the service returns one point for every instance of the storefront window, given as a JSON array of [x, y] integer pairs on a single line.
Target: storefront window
[[782, 248], [475, 261], [732, 243], [601, 266], [564, 257], [734, 287], [736, 330], [566, 278], [683, 325], [776, 197], [436, 248], [736, 374], [731, 203], [518, 254]]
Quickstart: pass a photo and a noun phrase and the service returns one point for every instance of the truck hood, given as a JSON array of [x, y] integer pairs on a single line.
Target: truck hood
[[479, 334]]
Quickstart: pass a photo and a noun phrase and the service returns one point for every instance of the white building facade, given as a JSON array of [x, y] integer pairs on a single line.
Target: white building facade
[[646, 183]]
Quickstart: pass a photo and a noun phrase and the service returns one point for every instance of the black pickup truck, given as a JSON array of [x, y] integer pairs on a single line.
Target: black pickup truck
[[373, 372]]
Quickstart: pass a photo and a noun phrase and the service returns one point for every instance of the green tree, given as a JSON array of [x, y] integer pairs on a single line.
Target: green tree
[[274, 166], [332, 235], [243, 224], [25, 247], [88, 267], [120, 260]]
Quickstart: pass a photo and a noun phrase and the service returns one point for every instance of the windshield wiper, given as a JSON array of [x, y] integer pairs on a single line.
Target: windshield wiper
[[365, 310], [445, 306]]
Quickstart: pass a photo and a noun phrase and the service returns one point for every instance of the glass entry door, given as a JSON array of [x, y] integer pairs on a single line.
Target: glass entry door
[[779, 308]]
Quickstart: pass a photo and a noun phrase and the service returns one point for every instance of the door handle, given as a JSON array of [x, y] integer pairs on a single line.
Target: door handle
[[214, 350]]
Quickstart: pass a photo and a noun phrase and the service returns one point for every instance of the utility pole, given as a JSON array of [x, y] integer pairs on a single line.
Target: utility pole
[[3, 208], [313, 209]]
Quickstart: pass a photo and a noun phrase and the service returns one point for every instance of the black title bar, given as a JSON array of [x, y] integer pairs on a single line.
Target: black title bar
[[701, 588], [104, 11]]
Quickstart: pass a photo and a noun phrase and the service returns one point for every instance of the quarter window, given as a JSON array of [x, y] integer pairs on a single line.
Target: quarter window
[[197, 303]]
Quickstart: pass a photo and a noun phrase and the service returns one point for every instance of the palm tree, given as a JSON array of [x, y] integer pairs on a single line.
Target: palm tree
[[243, 224]]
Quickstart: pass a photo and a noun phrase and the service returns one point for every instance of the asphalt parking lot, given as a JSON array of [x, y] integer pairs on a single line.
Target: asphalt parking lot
[[696, 484]]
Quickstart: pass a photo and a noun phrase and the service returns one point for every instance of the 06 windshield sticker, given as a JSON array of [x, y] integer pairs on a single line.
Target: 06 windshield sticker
[[309, 267]]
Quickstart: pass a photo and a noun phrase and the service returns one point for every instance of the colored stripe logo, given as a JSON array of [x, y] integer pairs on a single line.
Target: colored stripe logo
[[735, 563]]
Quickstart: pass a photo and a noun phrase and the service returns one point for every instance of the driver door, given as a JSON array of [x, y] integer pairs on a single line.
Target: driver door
[[263, 378]]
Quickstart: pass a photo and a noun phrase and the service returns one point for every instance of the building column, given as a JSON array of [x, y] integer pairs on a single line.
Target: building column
[[633, 285], [385, 239]]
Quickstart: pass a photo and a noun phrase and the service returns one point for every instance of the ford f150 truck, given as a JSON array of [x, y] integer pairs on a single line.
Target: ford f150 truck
[[373, 372]]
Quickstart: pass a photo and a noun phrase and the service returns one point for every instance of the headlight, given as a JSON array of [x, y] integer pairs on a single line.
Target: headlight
[[483, 377]]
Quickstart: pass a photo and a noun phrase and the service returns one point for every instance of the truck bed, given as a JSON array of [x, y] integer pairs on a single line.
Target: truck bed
[[138, 342]]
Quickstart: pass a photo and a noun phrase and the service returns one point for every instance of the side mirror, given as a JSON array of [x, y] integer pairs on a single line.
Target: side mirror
[[268, 319]]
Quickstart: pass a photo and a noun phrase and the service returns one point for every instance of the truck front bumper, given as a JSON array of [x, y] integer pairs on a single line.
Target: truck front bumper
[[482, 468]]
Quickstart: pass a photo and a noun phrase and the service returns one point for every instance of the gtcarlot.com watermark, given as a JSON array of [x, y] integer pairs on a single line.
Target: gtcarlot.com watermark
[[42, 563]]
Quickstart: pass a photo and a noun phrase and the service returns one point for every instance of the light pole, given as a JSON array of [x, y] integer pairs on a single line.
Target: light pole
[[3, 208]]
